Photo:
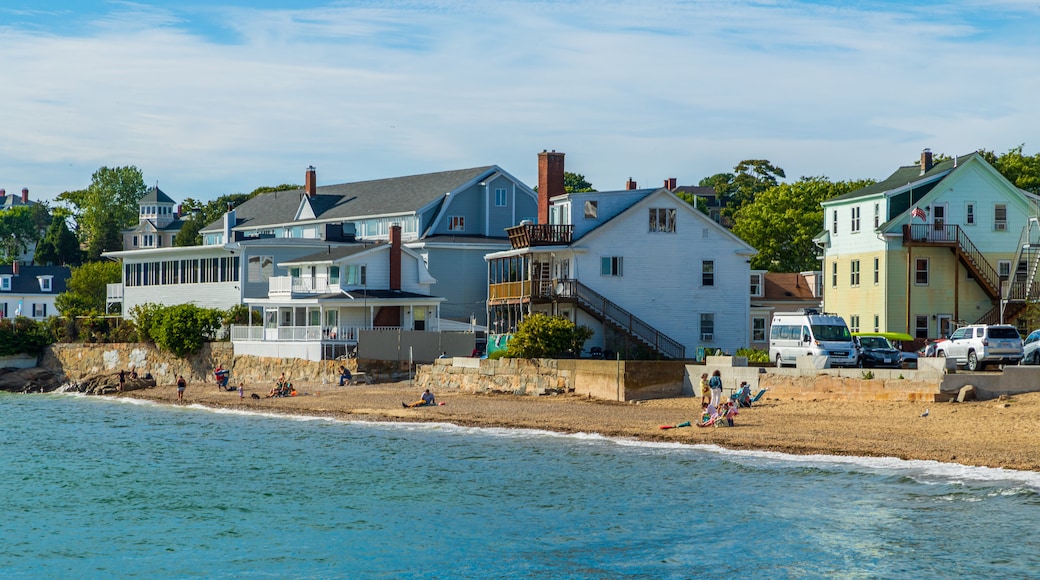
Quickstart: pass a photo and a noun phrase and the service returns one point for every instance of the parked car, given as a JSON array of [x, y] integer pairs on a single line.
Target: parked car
[[909, 359], [876, 351], [978, 345], [1031, 349]]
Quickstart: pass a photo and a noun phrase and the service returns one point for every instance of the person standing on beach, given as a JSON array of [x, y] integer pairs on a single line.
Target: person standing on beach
[[122, 379], [181, 385], [241, 391], [705, 391], [715, 383]]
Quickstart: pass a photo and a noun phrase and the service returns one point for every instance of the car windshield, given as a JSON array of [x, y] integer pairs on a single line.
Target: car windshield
[[875, 342], [831, 332]]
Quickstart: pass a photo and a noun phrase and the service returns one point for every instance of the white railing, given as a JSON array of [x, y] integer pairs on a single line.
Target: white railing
[[247, 332], [287, 285], [114, 292], [296, 333]]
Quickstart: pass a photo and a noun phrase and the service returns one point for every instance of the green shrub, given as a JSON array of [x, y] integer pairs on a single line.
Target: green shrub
[[23, 335], [754, 355], [543, 336]]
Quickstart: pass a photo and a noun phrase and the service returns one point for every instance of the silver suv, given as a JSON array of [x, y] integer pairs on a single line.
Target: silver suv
[[977, 345]]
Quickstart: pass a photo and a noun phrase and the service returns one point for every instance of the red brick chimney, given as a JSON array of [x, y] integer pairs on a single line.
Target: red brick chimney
[[14, 267], [25, 195], [631, 184], [926, 161], [311, 182], [669, 184], [395, 257], [550, 181]]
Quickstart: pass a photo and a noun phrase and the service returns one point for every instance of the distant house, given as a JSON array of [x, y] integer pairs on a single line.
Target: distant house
[[651, 275], [931, 247], [158, 224], [329, 297], [714, 202], [773, 292], [450, 219], [30, 290]]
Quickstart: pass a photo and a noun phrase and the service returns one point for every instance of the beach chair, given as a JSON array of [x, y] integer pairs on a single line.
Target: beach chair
[[758, 396], [742, 397], [714, 421]]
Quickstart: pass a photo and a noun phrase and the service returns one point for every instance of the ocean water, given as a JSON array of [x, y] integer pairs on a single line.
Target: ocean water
[[100, 488]]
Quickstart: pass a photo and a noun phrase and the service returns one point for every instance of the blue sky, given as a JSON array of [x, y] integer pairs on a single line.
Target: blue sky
[[222, 96]]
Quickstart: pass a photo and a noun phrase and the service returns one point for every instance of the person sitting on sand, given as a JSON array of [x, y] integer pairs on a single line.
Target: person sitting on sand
[[426, 400], [344, 376], [730, 410]]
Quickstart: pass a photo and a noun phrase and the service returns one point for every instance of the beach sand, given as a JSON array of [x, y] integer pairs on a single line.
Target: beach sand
[[996, 433]]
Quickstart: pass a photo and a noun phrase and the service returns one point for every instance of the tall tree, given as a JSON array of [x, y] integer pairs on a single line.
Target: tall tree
[[20, 228], [1020, 169], [87, 288], [106, 207], [59, 246], [782, 221]]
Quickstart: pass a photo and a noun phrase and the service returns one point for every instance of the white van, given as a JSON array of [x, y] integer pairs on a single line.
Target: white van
[[808, 332]]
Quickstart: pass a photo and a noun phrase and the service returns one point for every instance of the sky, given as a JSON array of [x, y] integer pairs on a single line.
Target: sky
[[211, 97]]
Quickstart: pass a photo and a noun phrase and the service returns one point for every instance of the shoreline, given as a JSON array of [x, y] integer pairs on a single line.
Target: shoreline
[[998, 434]]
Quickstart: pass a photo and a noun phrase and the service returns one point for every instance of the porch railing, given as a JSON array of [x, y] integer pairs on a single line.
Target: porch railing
[[343, 333], [288, 285]]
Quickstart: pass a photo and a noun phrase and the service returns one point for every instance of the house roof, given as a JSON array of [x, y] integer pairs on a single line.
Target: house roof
[[26, 282], [786, 286], [155, 195], [11, 200], [904, 176], [335, 253], [392, 196]]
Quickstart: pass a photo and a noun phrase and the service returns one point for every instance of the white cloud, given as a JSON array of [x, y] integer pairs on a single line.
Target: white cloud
[[627, 89]]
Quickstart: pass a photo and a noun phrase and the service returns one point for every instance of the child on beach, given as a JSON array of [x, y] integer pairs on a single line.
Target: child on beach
[[705, 391], [731, 412]]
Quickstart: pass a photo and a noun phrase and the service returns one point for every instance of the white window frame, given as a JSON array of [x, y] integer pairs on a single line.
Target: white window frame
[[758, 329], [757, 286], [970, 218], [854, 323], [1000, 225], [707, 326], [877, 270], [613, 266], [501, 197], [918, 271], [457, 223], [661, 220], [855, 220], [834, 274], [877, 214], [46, 283], [707, 272], [5, 283], [854, 273], [834, 223]]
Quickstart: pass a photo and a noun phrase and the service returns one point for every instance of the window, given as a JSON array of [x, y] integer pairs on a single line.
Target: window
[[708, 273], [834, 222], [758, 329], [260, 268], [969, 214], [1000, 217], [457, 223], [854, 323], [855, 220], [662, 219], [877, 271], [45, 283], [921, 271], [148, 240], [294, 272], [921, 326], [591, 209], [39, 310], [756, 284], [355, 275], [707, 326], [854, 273], [612, 266], [5, 283], [1004, 268], [877, 323], [333, 274], [877, 215], [500, 197], [834, 274]]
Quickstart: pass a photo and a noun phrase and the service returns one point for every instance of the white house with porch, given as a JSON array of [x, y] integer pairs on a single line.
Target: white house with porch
[[319, 310]]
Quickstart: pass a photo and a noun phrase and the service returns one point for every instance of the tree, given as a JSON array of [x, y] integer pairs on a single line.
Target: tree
[[696, 201], [543, 336], [782, 221], [203, 214], [180, 329], [20, 228], [59, 246], [1021, 170], [105, 208], [87, 289]]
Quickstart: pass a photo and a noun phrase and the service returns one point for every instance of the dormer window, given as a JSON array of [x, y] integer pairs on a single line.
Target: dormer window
[[5, 283], [591, 209], [45, 283]]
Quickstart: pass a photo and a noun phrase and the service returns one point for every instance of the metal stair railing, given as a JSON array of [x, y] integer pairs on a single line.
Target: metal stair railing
[[608, 311]]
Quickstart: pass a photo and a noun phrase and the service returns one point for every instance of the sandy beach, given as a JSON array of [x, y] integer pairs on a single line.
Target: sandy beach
[[996, 433]]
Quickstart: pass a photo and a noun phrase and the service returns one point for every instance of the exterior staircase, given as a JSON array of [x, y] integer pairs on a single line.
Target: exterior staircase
[[617, 317]]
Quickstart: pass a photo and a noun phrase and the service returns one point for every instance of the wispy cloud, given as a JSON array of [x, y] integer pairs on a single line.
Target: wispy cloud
[[215, 99]]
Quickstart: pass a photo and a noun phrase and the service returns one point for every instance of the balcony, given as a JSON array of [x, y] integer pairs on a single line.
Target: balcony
[[289, 286], [324, 334], [529, 235]]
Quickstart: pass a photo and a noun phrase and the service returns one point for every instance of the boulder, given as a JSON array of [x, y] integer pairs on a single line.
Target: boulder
[[31, 380], [967, 393]]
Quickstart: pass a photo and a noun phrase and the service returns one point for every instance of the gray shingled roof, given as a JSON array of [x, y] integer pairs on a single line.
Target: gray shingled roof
[[906, 175], [395, 195], [26, 283], [334, 253], [155, 195]]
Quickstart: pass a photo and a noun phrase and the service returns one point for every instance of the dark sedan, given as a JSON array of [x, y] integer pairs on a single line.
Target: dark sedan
[[876, 351]]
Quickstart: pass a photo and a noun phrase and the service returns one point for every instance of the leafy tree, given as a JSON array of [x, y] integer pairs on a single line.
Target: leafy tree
[[105, 208], [722, 183], [694, 200], [782, 221], [1021, 170], [203, 214], [180, 329], [59, 246], [87, 289], [543, 336], [20, 228]]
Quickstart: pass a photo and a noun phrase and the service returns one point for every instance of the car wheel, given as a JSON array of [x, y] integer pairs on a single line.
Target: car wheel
[[779, 361], [1036, 357], [973, 361]]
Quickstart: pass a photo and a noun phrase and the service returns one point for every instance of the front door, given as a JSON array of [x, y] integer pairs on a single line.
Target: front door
[[939, 221], [945, 325]]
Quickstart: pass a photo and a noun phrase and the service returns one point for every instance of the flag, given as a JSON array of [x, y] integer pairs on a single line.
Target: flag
[[918, 213], [18, 311]]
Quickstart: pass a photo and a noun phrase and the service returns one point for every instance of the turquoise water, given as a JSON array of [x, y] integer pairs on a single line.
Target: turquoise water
[[100, 487]]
